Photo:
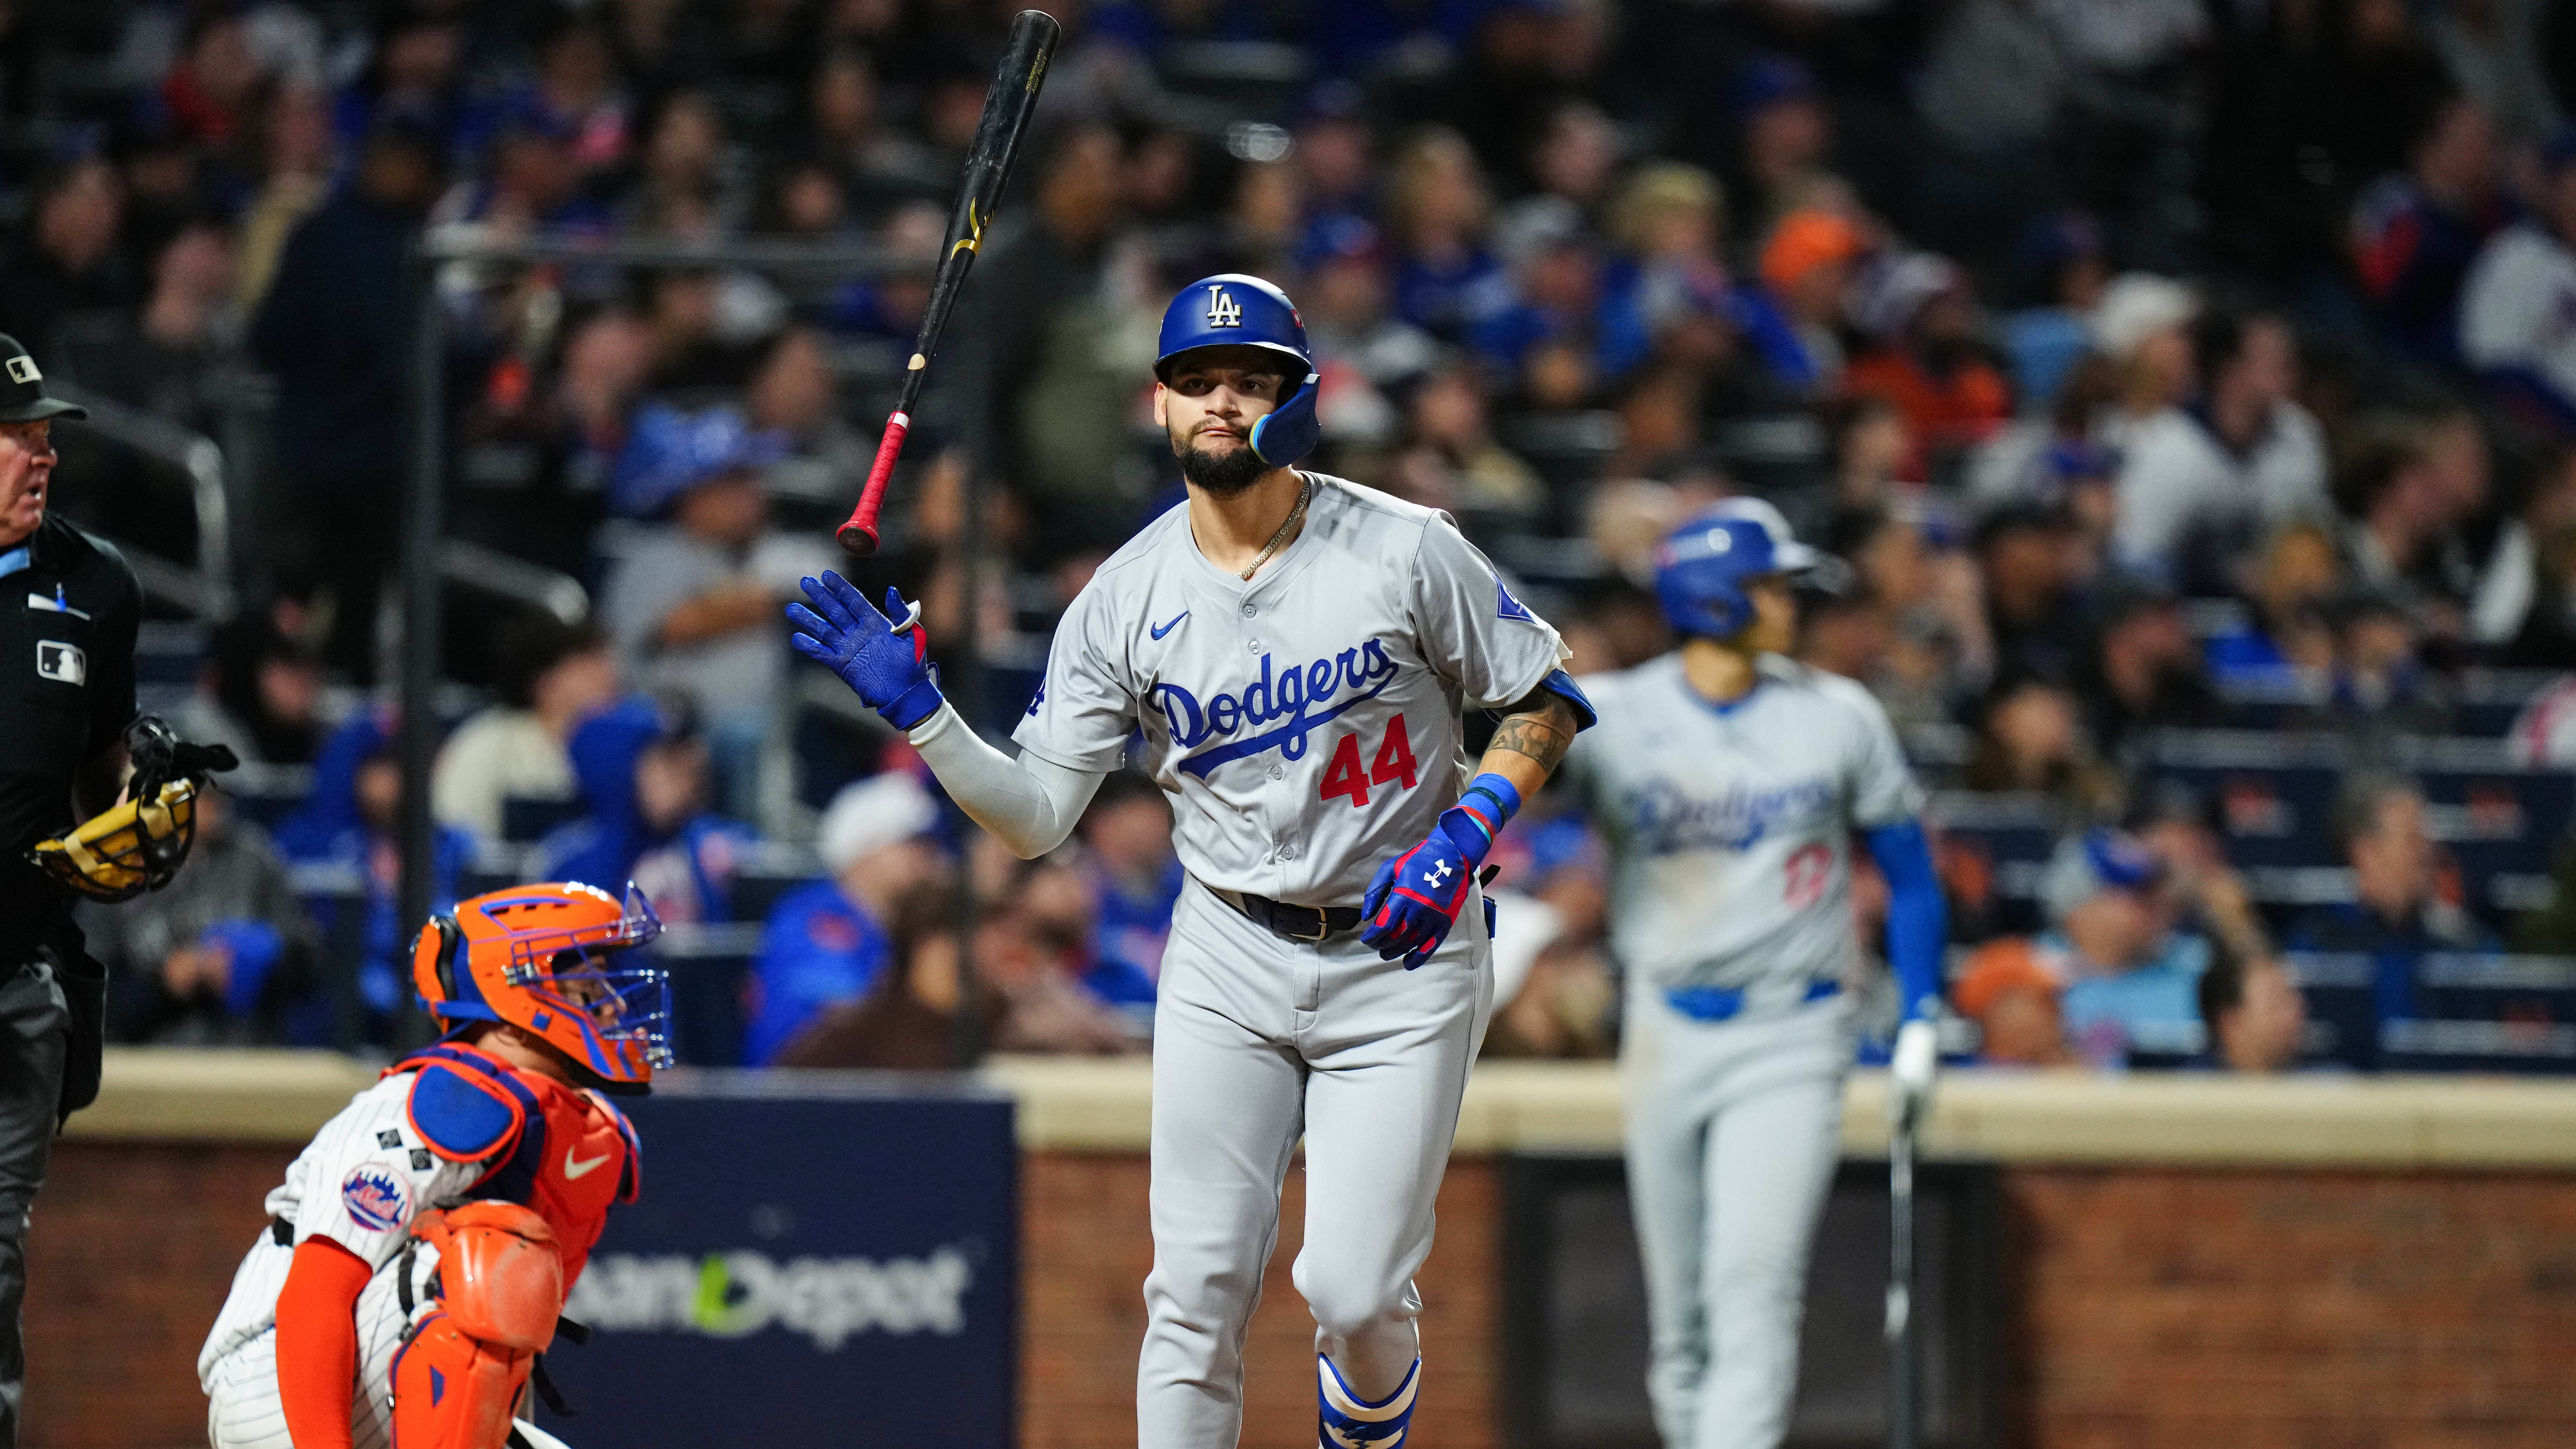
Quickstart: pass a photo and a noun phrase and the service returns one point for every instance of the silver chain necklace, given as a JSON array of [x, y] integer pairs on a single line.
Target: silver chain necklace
[[1303, 494]]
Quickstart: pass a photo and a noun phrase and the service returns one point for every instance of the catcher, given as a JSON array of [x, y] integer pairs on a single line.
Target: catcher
[[418, 1254]]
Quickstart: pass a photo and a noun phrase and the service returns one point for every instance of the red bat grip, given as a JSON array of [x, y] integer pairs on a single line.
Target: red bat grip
[[859, 534]]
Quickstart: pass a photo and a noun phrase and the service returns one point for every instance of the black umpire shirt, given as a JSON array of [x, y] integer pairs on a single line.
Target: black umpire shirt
[[69, 608]]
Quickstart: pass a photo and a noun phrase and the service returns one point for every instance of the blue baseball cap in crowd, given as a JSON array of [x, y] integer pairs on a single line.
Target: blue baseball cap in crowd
[[2101, 859], [668, 452]]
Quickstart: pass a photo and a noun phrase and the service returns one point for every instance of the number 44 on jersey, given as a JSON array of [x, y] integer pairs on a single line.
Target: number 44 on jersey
[[1392, 765]]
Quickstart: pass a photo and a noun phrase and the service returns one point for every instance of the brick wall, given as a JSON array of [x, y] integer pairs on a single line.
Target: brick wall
[[1087, 1252], [129, 1256], [2145, 1308], [2166, 1309]]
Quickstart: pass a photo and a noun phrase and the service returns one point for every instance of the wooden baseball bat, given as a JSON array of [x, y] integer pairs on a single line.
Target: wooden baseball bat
[[1007, 108]]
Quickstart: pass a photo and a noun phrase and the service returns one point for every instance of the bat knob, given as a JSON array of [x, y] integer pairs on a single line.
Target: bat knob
[[857, 539]]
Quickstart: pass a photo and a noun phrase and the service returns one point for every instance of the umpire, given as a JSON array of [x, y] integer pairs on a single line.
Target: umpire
[[69, 606]]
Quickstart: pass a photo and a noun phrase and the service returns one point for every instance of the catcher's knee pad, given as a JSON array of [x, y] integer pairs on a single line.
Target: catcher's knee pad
[[459, 1374]]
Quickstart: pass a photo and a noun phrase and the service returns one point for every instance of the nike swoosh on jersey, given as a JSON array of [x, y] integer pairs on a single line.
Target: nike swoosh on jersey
[[576, 1169], [1159, 630]]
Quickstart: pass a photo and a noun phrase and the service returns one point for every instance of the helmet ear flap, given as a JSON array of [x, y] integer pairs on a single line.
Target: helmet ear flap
[[1281, 437], [443, 963]]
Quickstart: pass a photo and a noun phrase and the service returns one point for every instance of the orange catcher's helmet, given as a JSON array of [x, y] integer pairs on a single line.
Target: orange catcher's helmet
[[544, 958]]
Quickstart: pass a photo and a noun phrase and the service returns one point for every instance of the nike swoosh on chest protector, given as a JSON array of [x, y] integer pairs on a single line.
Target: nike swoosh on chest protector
[[575, 1169]]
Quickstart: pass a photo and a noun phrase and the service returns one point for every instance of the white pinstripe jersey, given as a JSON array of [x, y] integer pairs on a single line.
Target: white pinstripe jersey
[[359, 1183], [1306, 724]]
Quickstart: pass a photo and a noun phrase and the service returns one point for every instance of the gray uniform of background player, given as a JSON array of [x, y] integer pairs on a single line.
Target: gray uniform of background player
[[1379, 611], [1731, 835]]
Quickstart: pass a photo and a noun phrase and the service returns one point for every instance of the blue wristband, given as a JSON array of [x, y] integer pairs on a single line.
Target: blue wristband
[[1480, 814]]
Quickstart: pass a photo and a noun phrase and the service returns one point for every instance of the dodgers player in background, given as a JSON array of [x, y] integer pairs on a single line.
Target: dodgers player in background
[[1296, 650], [1728, 781]]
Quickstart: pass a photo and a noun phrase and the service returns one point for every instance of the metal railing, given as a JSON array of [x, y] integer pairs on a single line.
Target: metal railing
[[206, 590]]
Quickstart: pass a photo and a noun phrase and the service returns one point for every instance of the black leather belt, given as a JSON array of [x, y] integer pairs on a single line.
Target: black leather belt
[[1295, 923]]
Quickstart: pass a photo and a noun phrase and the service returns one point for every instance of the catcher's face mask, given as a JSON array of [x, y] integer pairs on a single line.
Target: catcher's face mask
[[138, 845]]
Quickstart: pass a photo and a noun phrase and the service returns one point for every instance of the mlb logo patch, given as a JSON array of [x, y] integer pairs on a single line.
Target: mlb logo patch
[[1507, 607], [61, 663], [375, 1198], [23, 369]]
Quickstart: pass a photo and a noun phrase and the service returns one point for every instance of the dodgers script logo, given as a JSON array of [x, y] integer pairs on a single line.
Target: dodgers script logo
[[375, 1198], [1668, 820], [1296, 697]]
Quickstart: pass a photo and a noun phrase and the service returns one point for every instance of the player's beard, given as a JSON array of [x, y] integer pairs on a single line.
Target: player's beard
[[1223, 474]]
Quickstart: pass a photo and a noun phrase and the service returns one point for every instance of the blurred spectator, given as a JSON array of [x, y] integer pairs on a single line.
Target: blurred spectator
[[2013, 995], [2415, 232], [2396, 916], [2490, 50], [2526, 604], [1573, 158], [2517, 295], [549, 677], [1793, 319], [208, 94], [1454, 456], [1058, 357], [1056, 909], [1436, 210], [2390, 488], [68, 262], [2285, 639], [2130, 981], [410, 79], [693, 603], [2030, 738], [1553, 332], [1788, 134], [260, 692], [828, 942], [350, 821], [2144, 672], [2142, 327], [186, 327], [1928, 357], [1936, 644], [1669, 223], [2253, 1013], [2197, 486], [644, 776], [224, 955], [335, 331], [1133, 874], [2210, 897], [2047, 339], [908, 1019], [2029, 557], [293, 177], [2380, 688]]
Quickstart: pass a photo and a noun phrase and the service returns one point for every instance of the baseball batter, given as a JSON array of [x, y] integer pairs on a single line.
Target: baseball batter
[[494, 1152], [1729, 781], [1296, 650]]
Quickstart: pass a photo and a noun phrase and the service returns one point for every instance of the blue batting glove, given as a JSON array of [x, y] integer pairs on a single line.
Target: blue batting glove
[[1415, 898], [846, 634]]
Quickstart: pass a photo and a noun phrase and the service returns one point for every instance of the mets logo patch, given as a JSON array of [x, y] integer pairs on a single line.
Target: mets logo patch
[[375, 1198]]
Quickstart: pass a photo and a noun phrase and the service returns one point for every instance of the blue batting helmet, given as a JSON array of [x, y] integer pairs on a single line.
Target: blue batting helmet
[[1233, 310], [1702, 566]]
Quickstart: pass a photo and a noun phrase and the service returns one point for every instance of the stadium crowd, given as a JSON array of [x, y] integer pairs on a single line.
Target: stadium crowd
[[2187, 387]]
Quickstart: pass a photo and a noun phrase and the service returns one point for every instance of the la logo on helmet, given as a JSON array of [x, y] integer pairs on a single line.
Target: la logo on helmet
[[1223, 310]]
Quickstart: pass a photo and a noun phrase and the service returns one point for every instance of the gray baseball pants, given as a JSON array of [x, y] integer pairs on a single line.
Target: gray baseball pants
[[1256, 1041], [1734, 1128]]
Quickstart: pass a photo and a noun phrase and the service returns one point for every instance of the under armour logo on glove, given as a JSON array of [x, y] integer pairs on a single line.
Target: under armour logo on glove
[[1402, 918]]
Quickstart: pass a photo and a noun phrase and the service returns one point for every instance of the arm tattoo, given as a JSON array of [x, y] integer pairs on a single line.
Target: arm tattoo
[[1543, 732]]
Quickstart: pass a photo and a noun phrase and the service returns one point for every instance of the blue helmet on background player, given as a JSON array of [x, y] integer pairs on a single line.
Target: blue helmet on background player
[[1234, 310], [1701, 567]]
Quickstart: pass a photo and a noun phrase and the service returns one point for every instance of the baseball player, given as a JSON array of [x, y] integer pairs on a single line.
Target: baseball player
[[1728, 782], [1296, 650], [495, 1152]]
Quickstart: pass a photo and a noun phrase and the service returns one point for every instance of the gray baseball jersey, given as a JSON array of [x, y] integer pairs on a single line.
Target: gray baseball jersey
[[1731, 825], [1306, 723]]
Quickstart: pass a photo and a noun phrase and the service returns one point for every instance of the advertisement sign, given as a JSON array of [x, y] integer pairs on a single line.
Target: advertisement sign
[[819, 1258]]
